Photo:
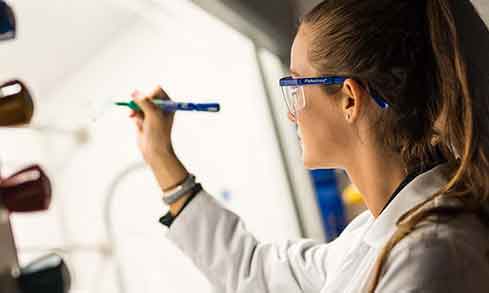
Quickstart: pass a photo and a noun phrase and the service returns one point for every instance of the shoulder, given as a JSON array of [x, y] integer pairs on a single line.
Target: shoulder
[[351, 234], [441, 256], [462, 229], [360, 221], [353, 231]]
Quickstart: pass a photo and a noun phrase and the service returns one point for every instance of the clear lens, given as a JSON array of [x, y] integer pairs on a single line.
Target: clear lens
[[294, 98]]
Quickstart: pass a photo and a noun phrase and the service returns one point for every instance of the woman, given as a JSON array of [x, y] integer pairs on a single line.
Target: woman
[[382, 90]]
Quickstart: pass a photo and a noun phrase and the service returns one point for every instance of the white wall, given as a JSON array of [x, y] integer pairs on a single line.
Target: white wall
[[235, 152], [54, 37]]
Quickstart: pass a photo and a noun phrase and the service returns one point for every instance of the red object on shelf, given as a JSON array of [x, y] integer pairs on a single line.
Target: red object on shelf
[[28, 190], [16, 105]]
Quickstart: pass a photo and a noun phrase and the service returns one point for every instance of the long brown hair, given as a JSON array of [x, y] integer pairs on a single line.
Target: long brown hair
[[409, 52]]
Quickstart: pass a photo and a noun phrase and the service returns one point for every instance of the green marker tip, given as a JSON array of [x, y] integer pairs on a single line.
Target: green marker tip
[[131, 105]]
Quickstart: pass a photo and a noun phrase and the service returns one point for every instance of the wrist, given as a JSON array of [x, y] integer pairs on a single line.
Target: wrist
[[160, 157], [169, 173], [178, 205], [167, 189]]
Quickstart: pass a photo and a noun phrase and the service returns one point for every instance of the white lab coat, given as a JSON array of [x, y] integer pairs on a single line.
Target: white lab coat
[[436, 258]]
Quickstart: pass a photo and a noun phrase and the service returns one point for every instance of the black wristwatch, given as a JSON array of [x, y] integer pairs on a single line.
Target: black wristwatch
[[168, 218]]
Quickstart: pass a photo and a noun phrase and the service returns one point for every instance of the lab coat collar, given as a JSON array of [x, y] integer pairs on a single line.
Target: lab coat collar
[[418, 190]]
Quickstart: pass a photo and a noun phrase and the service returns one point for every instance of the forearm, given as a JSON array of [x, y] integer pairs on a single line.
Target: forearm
[[169, 171], [234, 261]]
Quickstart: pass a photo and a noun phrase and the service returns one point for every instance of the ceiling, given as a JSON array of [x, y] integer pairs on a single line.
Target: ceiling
[[482, 5], [272, 23]]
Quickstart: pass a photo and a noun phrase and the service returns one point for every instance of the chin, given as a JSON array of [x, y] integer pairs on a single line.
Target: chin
[[309, 163], [312, 163]]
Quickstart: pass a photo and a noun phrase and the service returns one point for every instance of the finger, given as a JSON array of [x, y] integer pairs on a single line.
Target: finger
[[149, 109], [159, 94], [138, 122], [138, 118], [133, 113], [137, 94]]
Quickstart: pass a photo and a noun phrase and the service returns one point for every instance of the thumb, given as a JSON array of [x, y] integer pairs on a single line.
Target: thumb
[[149, 109], [159, 93]]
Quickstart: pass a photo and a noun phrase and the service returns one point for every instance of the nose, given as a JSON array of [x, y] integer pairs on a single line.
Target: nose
[[291, 117]]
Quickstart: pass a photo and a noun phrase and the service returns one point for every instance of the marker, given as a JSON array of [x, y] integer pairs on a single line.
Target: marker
[[170, 106]]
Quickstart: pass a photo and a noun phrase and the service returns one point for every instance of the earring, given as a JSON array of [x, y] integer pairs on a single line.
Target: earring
[[348, 116]]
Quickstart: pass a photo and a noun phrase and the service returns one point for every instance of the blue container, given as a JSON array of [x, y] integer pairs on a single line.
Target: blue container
[[330, 202]]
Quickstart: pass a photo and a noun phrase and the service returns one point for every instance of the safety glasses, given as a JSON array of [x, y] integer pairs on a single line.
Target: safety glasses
[[293, 91], [7, 22]]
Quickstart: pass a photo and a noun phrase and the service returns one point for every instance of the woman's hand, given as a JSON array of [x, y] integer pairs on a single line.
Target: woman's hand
[[154, 128]]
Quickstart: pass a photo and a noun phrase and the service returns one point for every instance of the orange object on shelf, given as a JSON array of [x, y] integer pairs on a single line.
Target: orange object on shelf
[[353, 200]]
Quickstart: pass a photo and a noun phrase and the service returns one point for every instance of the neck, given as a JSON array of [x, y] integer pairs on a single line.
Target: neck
[[376, 175]]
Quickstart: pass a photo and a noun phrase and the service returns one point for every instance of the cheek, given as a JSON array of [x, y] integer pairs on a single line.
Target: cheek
[[322, 131]]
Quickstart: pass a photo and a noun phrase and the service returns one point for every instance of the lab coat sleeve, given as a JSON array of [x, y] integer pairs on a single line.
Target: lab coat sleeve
[[218, 243]]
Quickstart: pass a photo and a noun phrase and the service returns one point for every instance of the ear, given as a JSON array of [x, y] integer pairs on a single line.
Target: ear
[[353, 100]]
